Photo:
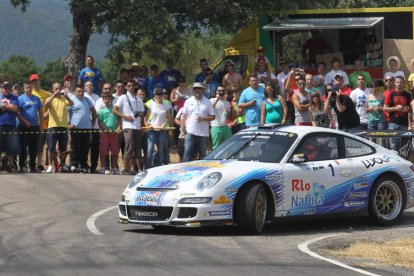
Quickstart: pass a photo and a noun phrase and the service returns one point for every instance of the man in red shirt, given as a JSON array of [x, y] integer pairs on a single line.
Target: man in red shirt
[[397, 104]]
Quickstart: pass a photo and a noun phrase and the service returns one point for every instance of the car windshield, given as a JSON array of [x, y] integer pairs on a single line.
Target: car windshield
[[256, 145]]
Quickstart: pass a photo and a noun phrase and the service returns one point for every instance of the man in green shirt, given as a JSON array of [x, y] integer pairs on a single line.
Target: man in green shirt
[[353, 77]]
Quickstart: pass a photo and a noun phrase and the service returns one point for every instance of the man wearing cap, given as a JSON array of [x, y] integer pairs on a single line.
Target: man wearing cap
[[339, 82], [131, 109], [154, 80], [16, 90], [353, 77], [93, 74], [30, 114], [251, 102], [42, 95], [336, 64], [197, 113], [171, 75], [220, 131], [9, 139], [233, 80]]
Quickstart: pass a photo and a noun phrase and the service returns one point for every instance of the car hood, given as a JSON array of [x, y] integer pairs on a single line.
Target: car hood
[[184, 174]]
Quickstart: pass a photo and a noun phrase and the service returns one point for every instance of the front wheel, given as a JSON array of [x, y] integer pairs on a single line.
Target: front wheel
[[386, 201], [250, 209]]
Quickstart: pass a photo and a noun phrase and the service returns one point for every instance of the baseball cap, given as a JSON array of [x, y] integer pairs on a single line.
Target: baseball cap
[[34, 77], [158, 90], [260, 49], [198, 85], [339, 75], [15, 85], [229, 62], [135, 64]]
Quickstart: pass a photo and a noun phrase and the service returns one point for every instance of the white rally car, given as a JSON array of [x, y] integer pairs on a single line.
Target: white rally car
[[268, 172]]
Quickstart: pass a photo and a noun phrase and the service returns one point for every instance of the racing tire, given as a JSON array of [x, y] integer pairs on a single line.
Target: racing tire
[[250, 209], [386, 200]]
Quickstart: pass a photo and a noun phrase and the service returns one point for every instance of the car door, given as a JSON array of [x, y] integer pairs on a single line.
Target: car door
[[307, 183]]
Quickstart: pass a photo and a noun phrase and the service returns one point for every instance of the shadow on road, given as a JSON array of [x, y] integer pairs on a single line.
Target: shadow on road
[[283, 227]]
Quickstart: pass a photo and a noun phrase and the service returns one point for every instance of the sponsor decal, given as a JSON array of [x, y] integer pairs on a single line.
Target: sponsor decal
[[355, 195], [151, 197], [299, 186], [222, 200], [187, 194], [309, 212], [354, 204], [145, 214], [373, 161], [359, 186], [208, 164], [219, 213], [314, 198]]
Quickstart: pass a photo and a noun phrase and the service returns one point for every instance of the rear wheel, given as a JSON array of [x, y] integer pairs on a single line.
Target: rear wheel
[[250, 209], [386, 201]]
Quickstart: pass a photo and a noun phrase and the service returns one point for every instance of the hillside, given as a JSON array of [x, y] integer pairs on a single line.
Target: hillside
[[42, 32]]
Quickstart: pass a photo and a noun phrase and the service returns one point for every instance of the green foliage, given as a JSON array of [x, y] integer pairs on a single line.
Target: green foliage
[[17, 69], [53, 71]]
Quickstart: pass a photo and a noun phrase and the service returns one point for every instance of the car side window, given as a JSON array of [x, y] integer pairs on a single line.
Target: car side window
[[355, 148], [319, 147]]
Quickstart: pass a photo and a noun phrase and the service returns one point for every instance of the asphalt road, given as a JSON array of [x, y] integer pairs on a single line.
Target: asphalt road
[[43, 232]]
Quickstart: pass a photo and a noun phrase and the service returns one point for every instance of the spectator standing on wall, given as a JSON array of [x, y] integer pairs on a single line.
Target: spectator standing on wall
[[93, 74]]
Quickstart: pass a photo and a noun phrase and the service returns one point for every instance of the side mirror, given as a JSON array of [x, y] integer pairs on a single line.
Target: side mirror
[[298, 158]]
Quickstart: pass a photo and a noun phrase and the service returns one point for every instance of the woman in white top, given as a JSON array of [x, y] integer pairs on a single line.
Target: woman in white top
[[159, 116], [180, 94]]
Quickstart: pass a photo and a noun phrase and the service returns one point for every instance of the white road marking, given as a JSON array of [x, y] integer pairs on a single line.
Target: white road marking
[[90, 223], [304, 248]]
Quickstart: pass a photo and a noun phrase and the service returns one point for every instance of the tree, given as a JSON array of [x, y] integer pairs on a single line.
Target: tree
[[52, 72], [18, 69], [153, 26]]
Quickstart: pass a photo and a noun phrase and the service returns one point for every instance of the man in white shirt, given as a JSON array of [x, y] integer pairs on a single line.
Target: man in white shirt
[[336, 64], [131, 109], [282, 76], [94, 145], [197, 113], [359, 96], [220, 131]]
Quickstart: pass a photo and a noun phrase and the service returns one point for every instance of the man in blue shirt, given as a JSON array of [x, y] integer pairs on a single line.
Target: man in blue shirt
[[251, 101], [80, 124], [210, 84], [9, 139], [154, 80], [200, 77], [30, 113], [93, 74], [170, 75]]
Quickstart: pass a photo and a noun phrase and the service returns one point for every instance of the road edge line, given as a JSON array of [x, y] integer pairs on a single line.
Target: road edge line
[[90, 222], [305, 249]]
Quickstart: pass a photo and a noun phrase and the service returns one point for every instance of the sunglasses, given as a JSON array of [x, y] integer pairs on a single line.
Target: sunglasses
[[159, 94], [315, 96], [388, 80], [301, 84], [220, 91]]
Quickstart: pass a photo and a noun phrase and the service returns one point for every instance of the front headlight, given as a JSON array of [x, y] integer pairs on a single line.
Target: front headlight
[[208, 181], [137, 179]]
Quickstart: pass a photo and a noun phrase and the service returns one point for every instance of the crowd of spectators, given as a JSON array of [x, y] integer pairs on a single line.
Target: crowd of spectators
[[146, 113]]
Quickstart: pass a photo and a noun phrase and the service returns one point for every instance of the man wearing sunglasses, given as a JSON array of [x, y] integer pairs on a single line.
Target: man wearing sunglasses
[[210, 84]]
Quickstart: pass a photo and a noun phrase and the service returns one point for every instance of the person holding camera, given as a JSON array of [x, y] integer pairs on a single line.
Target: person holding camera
[[131, 109], [344, 108], [56, 106], [301, 101], [251, 101], [220, 131]]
